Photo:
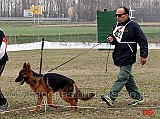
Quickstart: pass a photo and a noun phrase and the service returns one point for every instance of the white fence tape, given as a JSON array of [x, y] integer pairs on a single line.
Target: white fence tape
[[65, 45]]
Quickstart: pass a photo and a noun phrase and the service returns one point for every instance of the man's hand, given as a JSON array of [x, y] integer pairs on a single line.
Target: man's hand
[[110, 39], [143, 60]]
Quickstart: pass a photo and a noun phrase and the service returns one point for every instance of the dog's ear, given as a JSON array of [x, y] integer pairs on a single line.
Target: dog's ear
[[24, 65], [28, 67]]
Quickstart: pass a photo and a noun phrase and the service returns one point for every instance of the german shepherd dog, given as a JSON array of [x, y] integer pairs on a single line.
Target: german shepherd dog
[[47, 84]]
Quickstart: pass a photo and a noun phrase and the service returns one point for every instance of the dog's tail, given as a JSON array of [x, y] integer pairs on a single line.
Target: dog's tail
[[82, 96]]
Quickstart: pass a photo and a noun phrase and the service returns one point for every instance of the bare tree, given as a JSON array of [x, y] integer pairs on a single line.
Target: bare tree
[[81, 10]]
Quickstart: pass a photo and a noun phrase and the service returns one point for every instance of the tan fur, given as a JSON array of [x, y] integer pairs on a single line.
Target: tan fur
[[41, 88]]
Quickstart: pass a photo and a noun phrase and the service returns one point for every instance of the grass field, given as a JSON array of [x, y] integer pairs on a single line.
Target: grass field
[[66, 32], [30, 32], [88, 71]]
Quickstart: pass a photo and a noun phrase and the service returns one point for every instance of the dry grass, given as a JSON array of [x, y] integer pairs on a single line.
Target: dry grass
[[88, 71]]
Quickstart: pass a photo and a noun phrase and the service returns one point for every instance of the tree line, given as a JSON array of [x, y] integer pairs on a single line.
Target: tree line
[[81, 10]]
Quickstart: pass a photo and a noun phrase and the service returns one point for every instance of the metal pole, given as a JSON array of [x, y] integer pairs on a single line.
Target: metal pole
[[41, 56], [59, 32], [78, 33], [38, 32], [38, 18], [34, 18], [15, 40]]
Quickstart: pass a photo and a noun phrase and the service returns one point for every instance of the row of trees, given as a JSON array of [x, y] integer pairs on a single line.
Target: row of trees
[[81, 10]]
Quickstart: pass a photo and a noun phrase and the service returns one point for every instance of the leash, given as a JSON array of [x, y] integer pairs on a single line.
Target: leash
[[76, 56], [107, 58]]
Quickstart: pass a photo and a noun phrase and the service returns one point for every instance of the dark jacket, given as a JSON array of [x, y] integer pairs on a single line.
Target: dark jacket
[[5, 57], [122, 54]]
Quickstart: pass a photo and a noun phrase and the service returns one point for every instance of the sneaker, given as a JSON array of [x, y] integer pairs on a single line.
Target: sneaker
[[135, 102], [107, 100], [4, 107]]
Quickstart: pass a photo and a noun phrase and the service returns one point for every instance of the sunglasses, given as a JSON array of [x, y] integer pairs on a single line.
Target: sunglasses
[[119, 15]]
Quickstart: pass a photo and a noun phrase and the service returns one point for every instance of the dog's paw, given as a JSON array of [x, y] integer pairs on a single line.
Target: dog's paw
[[33, 111]]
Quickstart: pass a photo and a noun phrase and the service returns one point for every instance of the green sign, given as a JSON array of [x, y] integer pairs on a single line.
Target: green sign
[[105, 21]]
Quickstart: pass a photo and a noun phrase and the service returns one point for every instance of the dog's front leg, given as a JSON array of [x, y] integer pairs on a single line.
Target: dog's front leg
[[39, 101]]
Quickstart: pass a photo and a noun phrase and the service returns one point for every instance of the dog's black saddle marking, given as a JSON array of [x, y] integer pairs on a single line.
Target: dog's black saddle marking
[[57, 81]]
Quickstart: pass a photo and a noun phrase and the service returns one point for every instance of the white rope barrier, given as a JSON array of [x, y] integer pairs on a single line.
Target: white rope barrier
[[81, 107]]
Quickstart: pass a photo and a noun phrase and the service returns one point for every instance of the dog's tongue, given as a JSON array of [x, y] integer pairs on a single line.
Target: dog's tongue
[[21, 82]]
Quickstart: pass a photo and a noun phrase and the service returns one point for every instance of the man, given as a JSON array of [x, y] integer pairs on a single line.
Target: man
[[3, 59], [125, 36]]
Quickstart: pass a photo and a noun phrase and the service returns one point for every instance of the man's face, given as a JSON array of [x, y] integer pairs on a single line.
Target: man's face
[[121, 15]]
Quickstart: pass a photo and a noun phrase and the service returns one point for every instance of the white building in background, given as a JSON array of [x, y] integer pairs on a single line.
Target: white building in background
[[27, 13]]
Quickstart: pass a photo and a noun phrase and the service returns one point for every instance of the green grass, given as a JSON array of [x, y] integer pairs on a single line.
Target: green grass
[[50, 33], [47, 30], [62, 32], [151, 29], [152, 34], [88, 71]]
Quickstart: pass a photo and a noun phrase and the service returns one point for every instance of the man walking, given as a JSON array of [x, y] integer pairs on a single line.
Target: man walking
[[125, 36]]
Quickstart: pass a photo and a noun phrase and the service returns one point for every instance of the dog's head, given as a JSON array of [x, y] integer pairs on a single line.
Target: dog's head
[[24, 74]]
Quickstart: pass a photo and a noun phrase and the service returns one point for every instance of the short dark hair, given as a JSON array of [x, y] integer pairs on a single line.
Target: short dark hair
[[126, 10]]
